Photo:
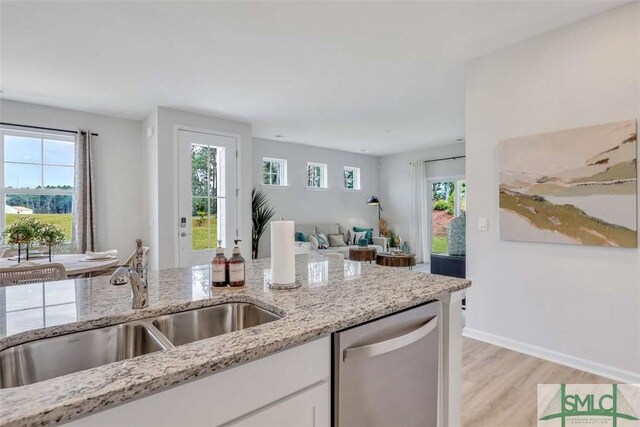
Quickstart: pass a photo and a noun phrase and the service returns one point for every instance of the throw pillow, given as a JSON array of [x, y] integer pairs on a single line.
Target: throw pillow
[[323, 241], [314, 243], [355, 236], [369, 232], [336, 240], [300, 237]]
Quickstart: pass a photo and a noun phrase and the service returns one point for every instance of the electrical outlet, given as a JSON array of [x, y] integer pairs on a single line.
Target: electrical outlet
[[483, 223]]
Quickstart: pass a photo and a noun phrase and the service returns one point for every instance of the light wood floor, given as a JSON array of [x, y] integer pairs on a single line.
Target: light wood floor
[[499, 386]]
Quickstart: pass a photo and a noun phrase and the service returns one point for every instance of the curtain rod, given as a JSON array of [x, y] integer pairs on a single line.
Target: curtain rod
[[43, 128], [445, 158]]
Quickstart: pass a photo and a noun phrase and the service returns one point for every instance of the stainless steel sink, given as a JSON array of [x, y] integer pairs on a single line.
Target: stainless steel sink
[[48, 358], [53, 357], [194, 325]]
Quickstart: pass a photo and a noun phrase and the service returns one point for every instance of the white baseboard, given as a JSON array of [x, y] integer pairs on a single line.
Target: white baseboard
[[596, 368]]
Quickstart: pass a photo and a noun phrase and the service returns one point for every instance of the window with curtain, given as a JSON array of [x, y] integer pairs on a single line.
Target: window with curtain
[[37, 178]]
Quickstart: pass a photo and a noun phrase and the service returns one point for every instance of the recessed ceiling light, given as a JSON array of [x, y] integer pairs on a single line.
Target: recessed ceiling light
[[460, 139], [364, 150], [279, 136], [388, 130]]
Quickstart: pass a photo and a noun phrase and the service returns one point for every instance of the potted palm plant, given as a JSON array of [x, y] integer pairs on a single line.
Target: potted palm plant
[[261, 214], [22, 233]]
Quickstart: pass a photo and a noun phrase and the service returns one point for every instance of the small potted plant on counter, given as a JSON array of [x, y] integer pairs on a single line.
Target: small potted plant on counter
[[50, 235], [22, 233]]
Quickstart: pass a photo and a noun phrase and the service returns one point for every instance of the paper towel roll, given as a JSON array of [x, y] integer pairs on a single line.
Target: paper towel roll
[[283, 257]]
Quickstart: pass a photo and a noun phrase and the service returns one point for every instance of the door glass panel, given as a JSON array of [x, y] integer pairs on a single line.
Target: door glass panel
[[208, 196], [443, 211], [199, 170], [200, 223]]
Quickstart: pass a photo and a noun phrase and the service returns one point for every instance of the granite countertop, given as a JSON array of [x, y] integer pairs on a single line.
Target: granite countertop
[[334, 295]]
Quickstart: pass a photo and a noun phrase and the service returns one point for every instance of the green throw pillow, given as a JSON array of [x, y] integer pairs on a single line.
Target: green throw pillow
[[368, 236], [300, 237]]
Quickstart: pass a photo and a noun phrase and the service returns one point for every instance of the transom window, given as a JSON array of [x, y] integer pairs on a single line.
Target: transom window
[[316, 175], [274, 171], [37, 178], [351, 178]]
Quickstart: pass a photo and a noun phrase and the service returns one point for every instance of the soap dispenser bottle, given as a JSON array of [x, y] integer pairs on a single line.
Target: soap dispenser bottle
[[236, 267], [219, 267]]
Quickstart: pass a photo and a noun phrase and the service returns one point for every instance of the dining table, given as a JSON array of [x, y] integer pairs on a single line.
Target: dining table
[[75, 264]]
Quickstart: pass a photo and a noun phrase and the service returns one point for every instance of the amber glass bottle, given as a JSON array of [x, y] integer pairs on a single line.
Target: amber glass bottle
[[219, 267], [236, 267]]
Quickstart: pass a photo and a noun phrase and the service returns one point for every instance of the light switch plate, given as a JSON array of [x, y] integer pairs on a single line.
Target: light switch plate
[[483, 223]]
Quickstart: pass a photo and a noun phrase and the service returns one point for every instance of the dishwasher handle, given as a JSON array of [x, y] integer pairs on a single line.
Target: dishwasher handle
[[382, 347]]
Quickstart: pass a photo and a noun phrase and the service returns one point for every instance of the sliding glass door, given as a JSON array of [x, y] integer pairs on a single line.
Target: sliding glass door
[[448, 200]]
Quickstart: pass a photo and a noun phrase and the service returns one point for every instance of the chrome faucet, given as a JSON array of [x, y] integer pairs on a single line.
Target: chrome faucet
[[139, 289]]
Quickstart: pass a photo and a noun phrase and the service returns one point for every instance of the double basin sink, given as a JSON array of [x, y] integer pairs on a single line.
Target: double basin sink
[[48, 358]]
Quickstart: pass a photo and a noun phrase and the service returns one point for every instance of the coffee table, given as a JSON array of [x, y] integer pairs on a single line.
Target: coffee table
[[362, 254], [389, 260]]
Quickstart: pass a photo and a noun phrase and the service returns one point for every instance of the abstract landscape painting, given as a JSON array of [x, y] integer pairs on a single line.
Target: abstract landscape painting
[[575, 186]]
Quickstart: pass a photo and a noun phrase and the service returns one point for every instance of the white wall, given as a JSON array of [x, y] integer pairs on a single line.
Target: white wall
[[118, 167], [575, 304], [162, 207], [395, 181], [306, 206]]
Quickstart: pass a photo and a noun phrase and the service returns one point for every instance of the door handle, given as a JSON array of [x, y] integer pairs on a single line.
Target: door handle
[[382, 347], [183, 234]]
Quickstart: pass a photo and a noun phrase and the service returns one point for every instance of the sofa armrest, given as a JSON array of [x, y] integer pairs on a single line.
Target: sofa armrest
[[381, 241]]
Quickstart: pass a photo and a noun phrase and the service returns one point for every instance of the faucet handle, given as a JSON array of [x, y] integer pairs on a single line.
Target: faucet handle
[[121, 276]]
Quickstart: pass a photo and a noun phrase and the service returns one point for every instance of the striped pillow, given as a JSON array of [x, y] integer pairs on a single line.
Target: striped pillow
[[323, 241]]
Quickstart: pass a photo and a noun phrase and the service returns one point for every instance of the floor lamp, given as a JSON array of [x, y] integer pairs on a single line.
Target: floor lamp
[[374, 201]]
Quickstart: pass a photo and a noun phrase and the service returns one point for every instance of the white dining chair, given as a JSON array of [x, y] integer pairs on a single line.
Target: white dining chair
[[20, 275], [8, 253]]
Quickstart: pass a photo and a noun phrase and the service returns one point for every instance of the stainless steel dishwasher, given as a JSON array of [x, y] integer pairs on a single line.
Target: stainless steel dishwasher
[[385, 372]]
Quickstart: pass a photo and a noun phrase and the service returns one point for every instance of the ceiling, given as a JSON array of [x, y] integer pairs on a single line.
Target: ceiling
[[384, 77]]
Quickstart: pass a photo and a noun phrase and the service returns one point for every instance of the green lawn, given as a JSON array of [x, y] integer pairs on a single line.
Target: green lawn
[[439, 245], [200, 236], [64, 221]]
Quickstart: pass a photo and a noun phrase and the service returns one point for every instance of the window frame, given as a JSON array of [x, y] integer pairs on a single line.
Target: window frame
[[283, 172], [356, 178], [4, 191], [324, 172]]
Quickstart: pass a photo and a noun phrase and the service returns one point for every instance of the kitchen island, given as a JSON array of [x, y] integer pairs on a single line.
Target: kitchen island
[[334, 295]]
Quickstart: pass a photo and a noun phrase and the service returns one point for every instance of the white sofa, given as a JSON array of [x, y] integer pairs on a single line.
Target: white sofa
[[379, 243]]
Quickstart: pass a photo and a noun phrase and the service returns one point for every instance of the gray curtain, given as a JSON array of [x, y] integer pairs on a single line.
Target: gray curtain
[[84, 207]]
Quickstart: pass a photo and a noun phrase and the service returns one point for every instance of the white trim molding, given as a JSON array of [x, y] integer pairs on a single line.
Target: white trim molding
[[554, 356]]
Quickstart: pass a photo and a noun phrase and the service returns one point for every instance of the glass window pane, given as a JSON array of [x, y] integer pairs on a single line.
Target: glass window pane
[[199, 170], [59, 152], [22, 297], [24, 320], [219, 223], [46, 209], [59, 314], [22, 149], [200, 223], [58, 177], [266, 172], [17, 175], [218, 165], [59, 293], [276, 179]]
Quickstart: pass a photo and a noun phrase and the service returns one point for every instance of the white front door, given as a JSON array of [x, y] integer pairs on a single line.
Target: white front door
[[207, 195]]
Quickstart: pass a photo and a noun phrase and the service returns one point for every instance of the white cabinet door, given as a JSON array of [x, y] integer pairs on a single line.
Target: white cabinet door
[[308, 408], [235, 394]]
